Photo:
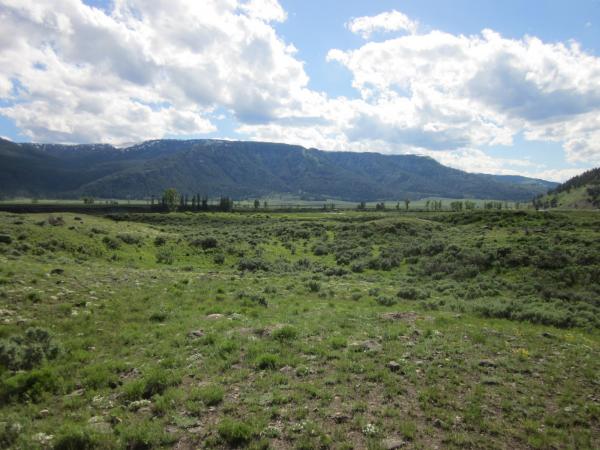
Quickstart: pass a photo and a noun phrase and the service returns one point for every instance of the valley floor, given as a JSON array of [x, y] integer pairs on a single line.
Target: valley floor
[[351, 330]]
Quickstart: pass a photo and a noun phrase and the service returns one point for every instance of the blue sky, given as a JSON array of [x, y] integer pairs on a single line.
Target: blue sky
[[389, 76]]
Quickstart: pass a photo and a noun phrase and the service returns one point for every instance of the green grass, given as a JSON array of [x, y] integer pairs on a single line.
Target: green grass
[[492, 320]]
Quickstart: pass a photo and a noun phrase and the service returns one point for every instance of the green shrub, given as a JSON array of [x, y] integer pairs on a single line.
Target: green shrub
[[27, 351], [74, 437], [98, 376], [165, 256], [253, 264], [30, 385], [160, 241], [209, 395], [285, 333], [235, 433], [143, 435], [111, 243], [9, 433], [338, 342], [155, 381], [267, 361], [386, 301], [130, 239], [313, 286], [409, 293], [320, 250]]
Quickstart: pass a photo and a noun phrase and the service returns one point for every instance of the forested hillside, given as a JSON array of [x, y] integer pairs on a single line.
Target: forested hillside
[[241, 170]]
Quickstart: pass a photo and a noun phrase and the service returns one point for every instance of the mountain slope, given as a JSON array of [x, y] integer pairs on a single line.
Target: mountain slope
[[240, 170], [581, 191]]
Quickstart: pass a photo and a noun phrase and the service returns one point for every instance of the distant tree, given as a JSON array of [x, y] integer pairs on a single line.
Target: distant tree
[[204, 205], [362, 206], [380, 206], [594, 193], [256, 204], [427, 204], [397, 205], [265, 204], [406, 204], [170, 199], [225, 204], [88, 200], [456, 206]]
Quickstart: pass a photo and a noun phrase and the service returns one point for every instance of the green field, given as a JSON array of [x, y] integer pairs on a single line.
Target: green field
[[300, 331]]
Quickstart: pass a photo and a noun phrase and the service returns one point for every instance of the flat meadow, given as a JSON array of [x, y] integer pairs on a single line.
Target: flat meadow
[[341, 330]]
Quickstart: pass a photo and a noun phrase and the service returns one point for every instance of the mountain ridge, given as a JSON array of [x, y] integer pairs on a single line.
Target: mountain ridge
[[580, 192], [241, 169]]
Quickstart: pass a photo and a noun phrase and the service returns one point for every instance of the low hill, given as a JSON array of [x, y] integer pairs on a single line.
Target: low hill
[[581, 192], [241, 170]]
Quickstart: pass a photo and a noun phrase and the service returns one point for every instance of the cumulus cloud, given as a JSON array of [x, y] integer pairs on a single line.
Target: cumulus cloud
[[385, 22], [440, 91], [144, 69]]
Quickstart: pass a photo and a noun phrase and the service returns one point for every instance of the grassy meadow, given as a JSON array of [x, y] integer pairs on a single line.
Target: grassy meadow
[[324, 330]]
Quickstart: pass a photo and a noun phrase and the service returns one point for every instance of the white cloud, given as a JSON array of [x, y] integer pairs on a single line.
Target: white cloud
[[387, 21], [440, 91], [144, 69], [558, 175]]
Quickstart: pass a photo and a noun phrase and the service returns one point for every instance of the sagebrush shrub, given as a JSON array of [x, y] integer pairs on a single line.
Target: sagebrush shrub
[[27, 351]]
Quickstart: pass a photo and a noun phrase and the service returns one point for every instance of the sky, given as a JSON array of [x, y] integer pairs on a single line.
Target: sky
[[509, 87]]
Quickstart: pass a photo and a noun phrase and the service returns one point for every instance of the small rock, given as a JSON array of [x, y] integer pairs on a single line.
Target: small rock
[[5, 239], [394, 366], [100, 425], [43, 413], [438, 423], [57, 271], [287, 370], [215, 316], [548, 335], [76, 393], [366, 346], [96, 419], [392, 444], [43, 438], [139, 404], [196, 333]]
